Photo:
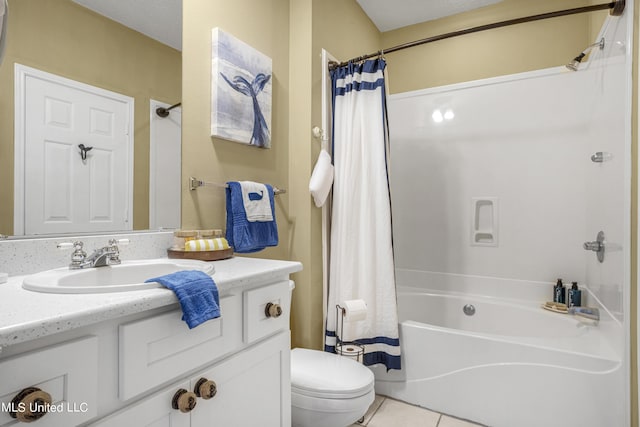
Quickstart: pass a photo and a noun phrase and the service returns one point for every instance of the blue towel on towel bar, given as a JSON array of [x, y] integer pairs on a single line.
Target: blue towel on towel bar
[[197, 293], [245, 236]]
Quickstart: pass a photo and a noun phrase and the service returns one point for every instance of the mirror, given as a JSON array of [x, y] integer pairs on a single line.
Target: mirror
[[64, 38], [3, 26]]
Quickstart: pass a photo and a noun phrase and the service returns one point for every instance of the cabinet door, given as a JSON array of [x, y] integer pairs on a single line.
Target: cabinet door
[[68, 372], [254, 388], [153, 411]]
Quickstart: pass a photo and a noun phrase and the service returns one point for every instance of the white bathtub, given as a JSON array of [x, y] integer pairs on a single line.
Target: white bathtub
[[511, 364]]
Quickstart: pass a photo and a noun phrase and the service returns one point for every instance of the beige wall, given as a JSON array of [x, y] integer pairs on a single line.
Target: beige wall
[[305, 304], [62, 38], [501, 51], [265, 26], [343, 29], [286, 31]]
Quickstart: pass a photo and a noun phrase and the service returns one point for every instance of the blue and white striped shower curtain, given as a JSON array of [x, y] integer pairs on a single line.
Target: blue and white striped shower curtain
[[361, 261]]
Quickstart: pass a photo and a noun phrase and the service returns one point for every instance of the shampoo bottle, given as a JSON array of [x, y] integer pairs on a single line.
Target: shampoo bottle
[[575, 295], [558, 292]]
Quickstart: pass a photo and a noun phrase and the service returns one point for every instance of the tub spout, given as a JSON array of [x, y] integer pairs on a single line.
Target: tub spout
[[588, 312]]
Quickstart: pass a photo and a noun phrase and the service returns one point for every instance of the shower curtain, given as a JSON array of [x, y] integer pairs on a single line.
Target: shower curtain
[[361, 261]]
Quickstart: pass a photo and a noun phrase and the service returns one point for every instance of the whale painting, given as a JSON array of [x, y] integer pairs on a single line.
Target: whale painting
[[241, 88]]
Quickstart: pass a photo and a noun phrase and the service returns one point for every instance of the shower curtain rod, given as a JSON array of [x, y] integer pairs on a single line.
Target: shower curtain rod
[[616, 8]]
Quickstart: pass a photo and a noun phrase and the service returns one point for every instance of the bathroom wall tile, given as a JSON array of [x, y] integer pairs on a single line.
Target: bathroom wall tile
[[446, 421], [399, 414]]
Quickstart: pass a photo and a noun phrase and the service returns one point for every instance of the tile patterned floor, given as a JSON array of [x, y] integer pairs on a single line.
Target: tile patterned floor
[[385, 412]]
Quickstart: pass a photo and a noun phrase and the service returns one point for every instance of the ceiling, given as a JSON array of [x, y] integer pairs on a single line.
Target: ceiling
[[392, 14], [159, 19], [162, 19]]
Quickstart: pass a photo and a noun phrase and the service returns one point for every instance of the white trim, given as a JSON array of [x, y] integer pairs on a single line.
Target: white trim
[[326, 219], [626, 289], [21, 73], [153, 104], [152, 159], [485, 82]]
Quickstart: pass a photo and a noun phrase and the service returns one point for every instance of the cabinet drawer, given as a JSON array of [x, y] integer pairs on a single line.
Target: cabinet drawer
[[257, 323], [158, 349], [152, 411], [67, 372]]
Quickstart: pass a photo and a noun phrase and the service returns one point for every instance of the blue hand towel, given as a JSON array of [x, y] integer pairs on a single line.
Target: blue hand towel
[[245, 236], [197, 293]]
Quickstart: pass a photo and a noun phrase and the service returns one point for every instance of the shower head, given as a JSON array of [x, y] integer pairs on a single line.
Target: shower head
[[164, 112], [573, 65]]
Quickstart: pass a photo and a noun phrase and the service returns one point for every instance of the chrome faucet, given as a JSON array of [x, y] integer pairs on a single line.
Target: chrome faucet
[[105, 256], [588, 312]]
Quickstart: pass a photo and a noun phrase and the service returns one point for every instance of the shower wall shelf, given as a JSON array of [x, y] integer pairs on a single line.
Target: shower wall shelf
[[484, 221], [194, 183]]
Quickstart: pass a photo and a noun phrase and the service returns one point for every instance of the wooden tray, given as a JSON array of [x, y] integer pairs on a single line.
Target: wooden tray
[[200, 255]]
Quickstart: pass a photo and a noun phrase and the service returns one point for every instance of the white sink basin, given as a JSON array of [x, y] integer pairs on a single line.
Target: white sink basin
[[128, 276]]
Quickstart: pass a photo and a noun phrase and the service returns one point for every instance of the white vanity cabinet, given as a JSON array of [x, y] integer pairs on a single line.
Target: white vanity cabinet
[[150, 369], [53, 378], [251, 383], [251, 390]]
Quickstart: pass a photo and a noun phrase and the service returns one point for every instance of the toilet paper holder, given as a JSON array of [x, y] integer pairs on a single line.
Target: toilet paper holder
[[350, 349]]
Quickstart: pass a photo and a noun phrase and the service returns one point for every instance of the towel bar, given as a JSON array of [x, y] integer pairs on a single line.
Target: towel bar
[[195, 183]]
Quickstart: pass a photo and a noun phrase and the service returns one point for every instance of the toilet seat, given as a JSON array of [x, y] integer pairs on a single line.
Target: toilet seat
[[318, 374]]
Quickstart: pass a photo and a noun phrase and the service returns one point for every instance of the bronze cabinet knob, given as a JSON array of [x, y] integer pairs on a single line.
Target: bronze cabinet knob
[[30, 404], [205, 388], [272, 310], [184, 400]]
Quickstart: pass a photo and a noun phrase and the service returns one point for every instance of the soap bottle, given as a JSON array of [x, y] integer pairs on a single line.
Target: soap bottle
[[575, 295], [558, 292]]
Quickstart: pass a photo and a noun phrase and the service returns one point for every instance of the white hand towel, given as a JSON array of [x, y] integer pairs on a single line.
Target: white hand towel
[[257, 204], [321, 178]]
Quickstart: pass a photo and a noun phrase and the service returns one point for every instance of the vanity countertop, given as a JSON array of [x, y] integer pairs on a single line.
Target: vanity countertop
[[27, 315]]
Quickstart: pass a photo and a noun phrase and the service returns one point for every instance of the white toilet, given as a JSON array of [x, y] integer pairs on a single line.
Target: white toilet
[[328, 390]]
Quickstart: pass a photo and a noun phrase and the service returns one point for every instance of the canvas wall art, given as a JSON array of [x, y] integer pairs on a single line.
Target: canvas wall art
[[241, 90]]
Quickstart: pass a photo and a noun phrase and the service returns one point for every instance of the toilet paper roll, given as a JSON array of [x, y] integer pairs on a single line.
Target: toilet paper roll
[[354, 310], [350, 351]]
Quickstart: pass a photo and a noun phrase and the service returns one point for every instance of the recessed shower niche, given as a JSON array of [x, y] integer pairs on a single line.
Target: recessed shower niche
[[484, 221]]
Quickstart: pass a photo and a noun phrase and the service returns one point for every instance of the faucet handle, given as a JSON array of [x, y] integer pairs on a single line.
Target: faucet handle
[[114, 257], [78, 256], [121, 242]]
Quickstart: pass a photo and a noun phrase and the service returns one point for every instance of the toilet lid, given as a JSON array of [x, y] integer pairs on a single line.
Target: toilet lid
[[327, 375]]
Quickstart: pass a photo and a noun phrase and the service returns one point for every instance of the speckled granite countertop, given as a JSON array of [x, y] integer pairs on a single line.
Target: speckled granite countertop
[[27, 315]]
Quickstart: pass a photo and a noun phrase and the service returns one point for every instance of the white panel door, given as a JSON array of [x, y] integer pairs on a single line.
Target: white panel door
[[165, 154], [65, 189]]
